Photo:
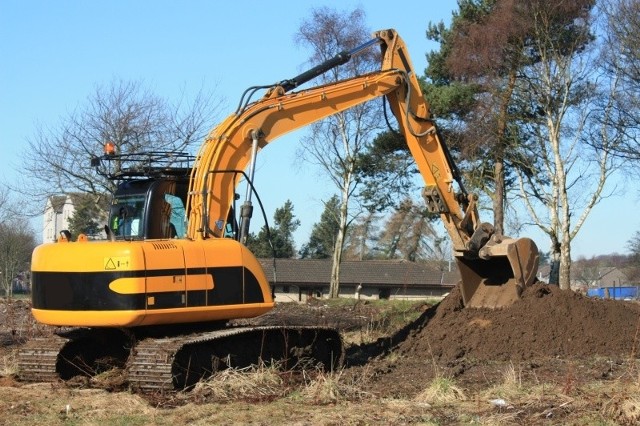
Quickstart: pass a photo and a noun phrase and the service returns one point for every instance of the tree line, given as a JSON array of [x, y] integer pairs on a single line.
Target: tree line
[[406, 234]]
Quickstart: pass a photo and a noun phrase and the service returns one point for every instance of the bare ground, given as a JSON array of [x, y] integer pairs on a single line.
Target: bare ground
[[554, 357]]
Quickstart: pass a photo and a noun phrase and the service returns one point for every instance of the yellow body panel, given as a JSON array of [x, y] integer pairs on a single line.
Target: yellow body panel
[[136, 283], [128, 285], [88, 257]]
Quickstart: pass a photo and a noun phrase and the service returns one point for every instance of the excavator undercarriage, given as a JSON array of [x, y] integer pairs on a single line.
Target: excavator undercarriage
[[161, 363]]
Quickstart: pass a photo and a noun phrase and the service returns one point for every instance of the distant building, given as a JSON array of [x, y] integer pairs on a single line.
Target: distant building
[[301, 279], [57, 213], [611, 277], [584, 278]]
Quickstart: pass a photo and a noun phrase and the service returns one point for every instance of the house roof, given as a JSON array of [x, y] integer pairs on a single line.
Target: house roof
[[57, 202], [78, 197], [365, 272]]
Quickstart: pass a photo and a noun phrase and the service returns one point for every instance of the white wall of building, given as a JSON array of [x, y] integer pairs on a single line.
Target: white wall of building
[[56, 218]]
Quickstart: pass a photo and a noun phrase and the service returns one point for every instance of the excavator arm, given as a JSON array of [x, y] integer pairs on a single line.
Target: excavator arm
[[494, 269]]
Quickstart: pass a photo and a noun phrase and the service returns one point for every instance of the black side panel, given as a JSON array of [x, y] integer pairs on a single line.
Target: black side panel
[[228, 288], [252, 291], [167, 300], [89, 291], [83, 291]]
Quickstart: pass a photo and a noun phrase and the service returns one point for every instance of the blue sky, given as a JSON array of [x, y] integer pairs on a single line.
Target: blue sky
[[54, 53]]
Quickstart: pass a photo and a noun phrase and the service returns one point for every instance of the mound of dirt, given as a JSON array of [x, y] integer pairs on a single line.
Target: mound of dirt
[[546, 322], [548, 335]]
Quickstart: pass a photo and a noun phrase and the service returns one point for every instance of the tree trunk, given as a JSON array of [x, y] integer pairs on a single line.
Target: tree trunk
[[334, 284], [501, 146], [554, 263], [565, 267], [565, 252], [498, 197]]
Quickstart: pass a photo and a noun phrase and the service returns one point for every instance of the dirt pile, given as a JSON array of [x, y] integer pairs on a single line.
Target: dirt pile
[[546, 322]]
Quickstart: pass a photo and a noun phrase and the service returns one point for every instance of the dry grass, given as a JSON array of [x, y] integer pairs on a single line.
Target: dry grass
[[260, 382], [325, 388], [113, 379], [266, 383], [441, 390], [9, 365], [510, 388], [384, 319], [621, 400], [623, 409], [264, 395]]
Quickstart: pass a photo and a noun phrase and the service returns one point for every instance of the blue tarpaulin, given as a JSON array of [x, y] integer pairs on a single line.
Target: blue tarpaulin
[[620, 293]]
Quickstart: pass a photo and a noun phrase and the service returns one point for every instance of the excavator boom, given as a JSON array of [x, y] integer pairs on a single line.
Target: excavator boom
[[492, 266]]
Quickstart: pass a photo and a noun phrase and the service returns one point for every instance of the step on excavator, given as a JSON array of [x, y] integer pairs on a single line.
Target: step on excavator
[[157, 296]]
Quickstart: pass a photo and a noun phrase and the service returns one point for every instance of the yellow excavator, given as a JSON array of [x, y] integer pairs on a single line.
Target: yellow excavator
[[157, 295]]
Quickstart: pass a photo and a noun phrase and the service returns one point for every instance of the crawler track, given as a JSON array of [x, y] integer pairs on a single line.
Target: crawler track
[[37, 359], [163, 364]]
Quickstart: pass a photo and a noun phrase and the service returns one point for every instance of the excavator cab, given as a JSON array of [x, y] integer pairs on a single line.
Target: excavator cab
[[144, 209], [151, 193]]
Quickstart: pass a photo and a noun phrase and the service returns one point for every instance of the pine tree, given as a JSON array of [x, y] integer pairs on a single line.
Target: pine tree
[[277, 241], [87, 214], [324, 233]]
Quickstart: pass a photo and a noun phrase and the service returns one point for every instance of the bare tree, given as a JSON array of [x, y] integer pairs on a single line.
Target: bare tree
[[57, 158], [336, 142], [16, 243], [4, 202], [621, 57], [623, 38], [572, 106]]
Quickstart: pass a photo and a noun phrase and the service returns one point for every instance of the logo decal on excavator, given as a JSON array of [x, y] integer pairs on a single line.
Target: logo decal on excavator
[[435, 170], [116, 263]]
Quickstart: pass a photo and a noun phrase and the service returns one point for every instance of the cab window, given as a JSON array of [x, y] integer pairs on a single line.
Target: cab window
[[176, 215], [126, 217]]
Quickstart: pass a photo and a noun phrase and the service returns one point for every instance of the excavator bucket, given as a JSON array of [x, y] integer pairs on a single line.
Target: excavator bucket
[[498, 276]]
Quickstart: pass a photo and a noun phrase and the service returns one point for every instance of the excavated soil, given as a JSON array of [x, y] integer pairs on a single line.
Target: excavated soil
[[546, 322], [549, 334]]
